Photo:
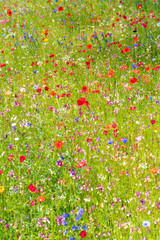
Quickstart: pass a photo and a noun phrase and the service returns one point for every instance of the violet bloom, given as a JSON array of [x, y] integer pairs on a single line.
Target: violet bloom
[[59, 220], [100, 187], [142, 202], [10, 146]]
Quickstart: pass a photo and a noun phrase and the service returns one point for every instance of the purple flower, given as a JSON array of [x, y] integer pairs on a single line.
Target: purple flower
[[59, 220], [142, 202]]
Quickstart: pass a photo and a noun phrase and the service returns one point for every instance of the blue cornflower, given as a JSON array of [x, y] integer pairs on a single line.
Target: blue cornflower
[[65, 231], [78, 218], [29, 124], [62, 159], [71, 238], [65, 215], [125, 140], [34, 71], [65, 223], [110, 103], [110, 142], [157, 101], [14, 128], [85, 227], [76, 119], [98, 150], [134, 66], [35, 87], [73, 228], [15, 190], [81, 211], [145, 223], [150, 98]]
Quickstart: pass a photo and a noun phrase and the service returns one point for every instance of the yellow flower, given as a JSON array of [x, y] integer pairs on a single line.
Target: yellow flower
[[2, 189], [45, 40]]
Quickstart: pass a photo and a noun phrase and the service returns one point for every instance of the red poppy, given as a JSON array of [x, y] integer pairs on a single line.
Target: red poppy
[[83, 234], [10, 158], [132, 108], [59, 144], [89, 139], [125, 50], [133, 80], [32, 188], [52, 55], [114, 125], [86, 103], [38, 90], [9, 12], [33, 203], [88, 63], [46, 88], [153, 121], [105, 132], [1, 172], [81, 101], [139, 6], [22, 158], [81, 164], [60, 8], [89, 46]]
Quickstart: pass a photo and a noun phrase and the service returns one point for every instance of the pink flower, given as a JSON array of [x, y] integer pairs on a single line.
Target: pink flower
[[33, 203]]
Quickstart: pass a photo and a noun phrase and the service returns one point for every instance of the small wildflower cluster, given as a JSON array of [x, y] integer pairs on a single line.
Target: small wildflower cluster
[[63, 220]]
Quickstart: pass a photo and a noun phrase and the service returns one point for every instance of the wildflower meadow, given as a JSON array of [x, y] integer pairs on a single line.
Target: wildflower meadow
[[79, 119]]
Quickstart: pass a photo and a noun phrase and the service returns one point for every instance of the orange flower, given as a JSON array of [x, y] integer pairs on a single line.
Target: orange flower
[[122, 173], [135, 71], [108, 127], [52, 93], [124, 67], [129, 88], [154, 170], [135, 39], [111, 72], [147, 81], [144, 77], [99, 86], [95, 82], [60, 124], [61, 181], [99, 75], [40, 199], [7, 93], [59, 144]]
